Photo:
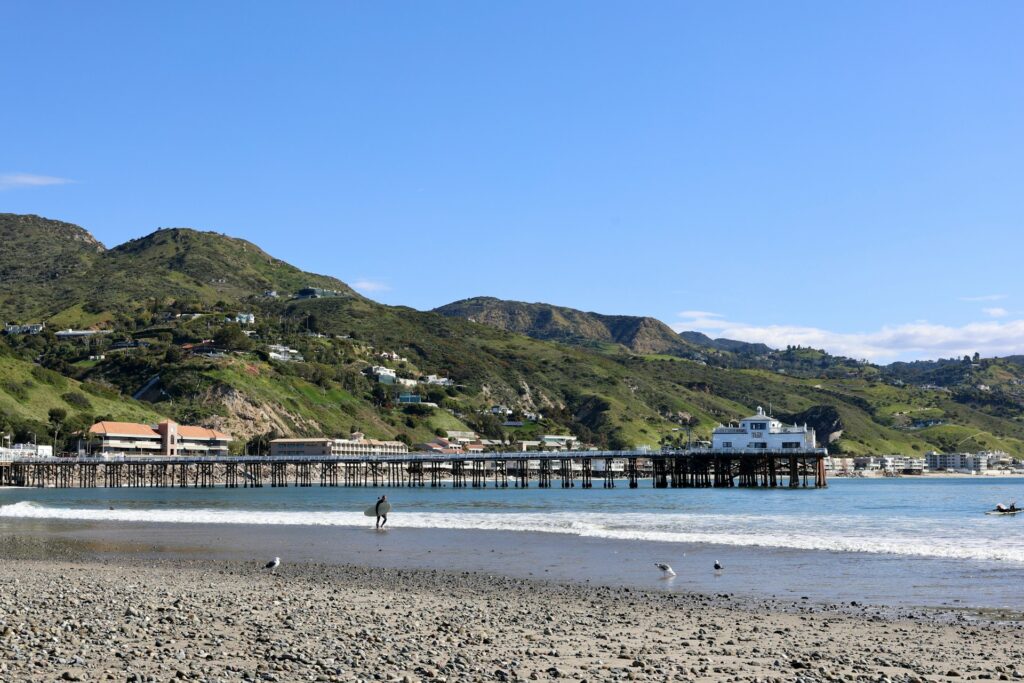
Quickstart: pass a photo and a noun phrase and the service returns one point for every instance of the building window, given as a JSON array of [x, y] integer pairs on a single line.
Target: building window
[[791, 444], [757, 444]]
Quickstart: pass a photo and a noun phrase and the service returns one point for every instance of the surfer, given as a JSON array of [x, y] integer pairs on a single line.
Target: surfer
[[382, 511]]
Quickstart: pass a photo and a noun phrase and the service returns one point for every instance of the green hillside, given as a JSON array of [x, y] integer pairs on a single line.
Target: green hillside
[[81, 284], [28, 393], [614, 381]]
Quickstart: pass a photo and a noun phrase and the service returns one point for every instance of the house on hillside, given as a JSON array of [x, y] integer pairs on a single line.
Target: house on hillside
[[284, 353], [316, 293], [558, 442], [462, 437], [384, 374], [30, 328], [438, 381], [79, 334]]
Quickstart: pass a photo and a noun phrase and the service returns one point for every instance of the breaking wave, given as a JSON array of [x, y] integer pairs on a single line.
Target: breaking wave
[[768, 531]]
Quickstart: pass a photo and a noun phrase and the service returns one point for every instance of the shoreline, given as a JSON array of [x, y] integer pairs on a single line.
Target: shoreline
[[812, 577], [79, 617]]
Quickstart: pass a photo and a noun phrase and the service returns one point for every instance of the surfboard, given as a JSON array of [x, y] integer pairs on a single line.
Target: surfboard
[[1003, 512], [371, 511]]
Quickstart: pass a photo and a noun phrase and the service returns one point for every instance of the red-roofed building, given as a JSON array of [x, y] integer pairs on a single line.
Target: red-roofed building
[[166, 438]]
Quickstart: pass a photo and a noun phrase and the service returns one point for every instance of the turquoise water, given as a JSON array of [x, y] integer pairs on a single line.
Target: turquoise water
[[940, 518]]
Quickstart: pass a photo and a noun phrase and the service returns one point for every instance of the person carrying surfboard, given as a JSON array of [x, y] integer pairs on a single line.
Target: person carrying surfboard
[[382, 511]]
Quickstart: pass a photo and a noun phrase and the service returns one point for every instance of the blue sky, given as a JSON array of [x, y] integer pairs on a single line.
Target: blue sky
[[845, 175]]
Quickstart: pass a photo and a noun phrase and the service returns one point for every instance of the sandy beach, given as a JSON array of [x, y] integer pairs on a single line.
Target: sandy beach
[[65, 615]]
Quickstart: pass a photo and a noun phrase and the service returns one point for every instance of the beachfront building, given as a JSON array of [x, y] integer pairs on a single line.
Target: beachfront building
[[839, 464], [892, 464], [762, 432], [442, 446], [958, 462], [166, 438], [356, 445]]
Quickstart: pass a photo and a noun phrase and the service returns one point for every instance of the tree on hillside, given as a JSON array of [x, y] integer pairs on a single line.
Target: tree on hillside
[[57, 418], [232, 337]]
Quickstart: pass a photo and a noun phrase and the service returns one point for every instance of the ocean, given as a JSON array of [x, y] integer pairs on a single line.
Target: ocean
[[915, 541]]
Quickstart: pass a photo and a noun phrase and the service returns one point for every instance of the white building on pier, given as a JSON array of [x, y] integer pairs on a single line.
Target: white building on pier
[[762, 432]]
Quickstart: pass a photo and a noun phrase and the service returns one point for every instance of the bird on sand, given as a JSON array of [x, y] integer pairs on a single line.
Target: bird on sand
[[273, 565], [665, 569], [718, 566]]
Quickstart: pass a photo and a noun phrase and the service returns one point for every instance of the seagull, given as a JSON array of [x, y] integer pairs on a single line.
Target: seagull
[[667, 570], [718, 566], [273, 565]]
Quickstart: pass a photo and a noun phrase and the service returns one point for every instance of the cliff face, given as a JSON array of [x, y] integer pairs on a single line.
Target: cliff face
[[824, 419]]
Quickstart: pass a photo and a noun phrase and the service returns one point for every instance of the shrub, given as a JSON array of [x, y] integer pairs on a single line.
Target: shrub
[[77, 399]]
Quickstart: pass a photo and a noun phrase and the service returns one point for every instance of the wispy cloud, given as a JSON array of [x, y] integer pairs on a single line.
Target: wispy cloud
[[699, 314], [370, 286], [996, 312], [11, 181], [907, 341], [984, 297]]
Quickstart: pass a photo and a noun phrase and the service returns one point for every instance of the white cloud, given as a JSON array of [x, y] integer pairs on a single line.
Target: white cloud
[[996, 312], [700, 320], [907, 341], [699, 314], [10, 181], [370, 286], [984, 297]]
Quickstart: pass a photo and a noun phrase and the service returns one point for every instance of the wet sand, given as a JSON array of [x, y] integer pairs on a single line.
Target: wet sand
[[894, 582]]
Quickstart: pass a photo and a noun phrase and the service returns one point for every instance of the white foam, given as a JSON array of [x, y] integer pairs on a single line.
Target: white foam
[[769, 531]]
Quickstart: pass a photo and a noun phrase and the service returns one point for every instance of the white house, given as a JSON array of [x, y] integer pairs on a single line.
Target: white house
[[244, 319], [762, 432], [560, 442], [30, 328], [384, 375], [283, 353], [439, 381]]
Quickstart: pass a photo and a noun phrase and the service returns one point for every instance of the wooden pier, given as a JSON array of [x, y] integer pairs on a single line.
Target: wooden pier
[[699, 468]]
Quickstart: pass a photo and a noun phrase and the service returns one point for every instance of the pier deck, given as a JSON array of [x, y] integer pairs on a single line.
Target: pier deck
[[695, 468]]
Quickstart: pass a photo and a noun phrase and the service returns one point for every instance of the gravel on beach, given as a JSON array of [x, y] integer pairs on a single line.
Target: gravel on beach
[[67, 619]]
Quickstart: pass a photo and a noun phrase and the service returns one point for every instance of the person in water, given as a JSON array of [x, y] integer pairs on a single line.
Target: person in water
[[382, 515]]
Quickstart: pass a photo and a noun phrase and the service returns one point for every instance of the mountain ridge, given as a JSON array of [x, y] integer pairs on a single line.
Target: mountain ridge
[[605, 378]]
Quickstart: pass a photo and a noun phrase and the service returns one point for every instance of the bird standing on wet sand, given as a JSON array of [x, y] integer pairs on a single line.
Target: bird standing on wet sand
[[666, 570], [718, 566], [273, 565]]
